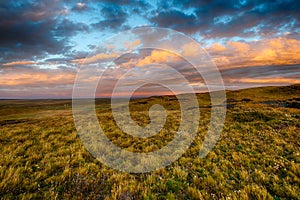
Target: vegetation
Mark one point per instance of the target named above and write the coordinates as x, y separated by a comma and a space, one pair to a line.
257, 156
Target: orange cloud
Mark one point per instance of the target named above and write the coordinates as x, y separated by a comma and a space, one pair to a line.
216, 47
95, 58
239, 47
38, 78
266, 55
276, 43
221, 60
190, 49
19, 63
158, 57
276, 51
131, 45
273, 80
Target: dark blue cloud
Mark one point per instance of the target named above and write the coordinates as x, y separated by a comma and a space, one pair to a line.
267, 16
176, 20
35, 28
114, 17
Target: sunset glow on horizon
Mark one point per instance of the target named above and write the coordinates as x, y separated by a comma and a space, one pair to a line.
43, 43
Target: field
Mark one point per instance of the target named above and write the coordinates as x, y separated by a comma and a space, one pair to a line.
256, 157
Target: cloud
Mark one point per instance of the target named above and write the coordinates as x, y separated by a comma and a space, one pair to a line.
254, 76
68, 28
131, 45
267, 80
79, 7
246, 39
35, 29
275, 51
35, 77
114, 18
190, 49
219, 19
158, 56
34, 82
216, 47
19, 63
239, 47
95, 58
278, 51
148, 57
176, 20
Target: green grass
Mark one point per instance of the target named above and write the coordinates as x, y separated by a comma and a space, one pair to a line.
257, 156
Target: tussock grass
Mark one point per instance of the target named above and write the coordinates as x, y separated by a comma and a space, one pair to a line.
257, 156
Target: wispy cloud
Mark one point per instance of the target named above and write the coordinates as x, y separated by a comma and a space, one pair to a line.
95, 58
19, 63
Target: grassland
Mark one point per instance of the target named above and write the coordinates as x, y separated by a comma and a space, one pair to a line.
257, 156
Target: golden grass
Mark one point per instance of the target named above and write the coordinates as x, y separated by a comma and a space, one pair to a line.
257, 156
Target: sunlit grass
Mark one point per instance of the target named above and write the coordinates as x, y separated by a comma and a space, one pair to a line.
257, 156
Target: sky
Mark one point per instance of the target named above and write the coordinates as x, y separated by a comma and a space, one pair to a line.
43, 43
